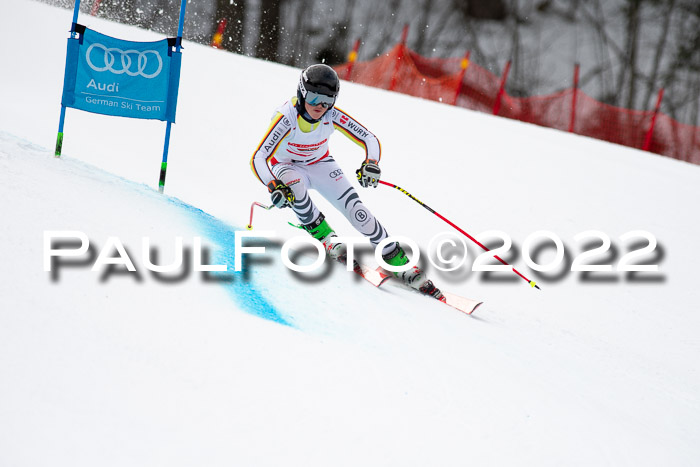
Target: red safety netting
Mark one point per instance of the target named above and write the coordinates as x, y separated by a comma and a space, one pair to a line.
475, 88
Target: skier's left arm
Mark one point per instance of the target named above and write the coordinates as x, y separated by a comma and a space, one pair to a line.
368, 174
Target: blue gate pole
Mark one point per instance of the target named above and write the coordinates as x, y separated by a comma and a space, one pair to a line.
61, 121
164, 164
166, 144
59, 137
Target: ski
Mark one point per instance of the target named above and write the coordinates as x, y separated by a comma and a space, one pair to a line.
373, 276
463, 304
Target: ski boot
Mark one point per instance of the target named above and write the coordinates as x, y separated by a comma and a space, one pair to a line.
414, 277
321, 231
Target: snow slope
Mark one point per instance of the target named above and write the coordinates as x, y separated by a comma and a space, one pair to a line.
266, 367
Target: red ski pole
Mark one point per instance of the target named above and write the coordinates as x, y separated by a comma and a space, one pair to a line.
532, 283
252, 206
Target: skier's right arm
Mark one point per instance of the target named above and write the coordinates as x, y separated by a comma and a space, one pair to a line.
260, 162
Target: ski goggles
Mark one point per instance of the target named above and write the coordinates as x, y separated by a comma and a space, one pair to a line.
314, 98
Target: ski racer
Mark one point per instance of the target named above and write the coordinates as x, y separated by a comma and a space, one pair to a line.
294, 156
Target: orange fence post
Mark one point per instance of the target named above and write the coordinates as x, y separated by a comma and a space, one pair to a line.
501, 90
399, 57
219, 34
647, 139
352, 58
464, 64
573, 99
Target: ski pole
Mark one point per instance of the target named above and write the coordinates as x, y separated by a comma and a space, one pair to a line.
267, 208
532, 283
252, 206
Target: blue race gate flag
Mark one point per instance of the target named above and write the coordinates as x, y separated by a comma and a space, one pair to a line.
111, 76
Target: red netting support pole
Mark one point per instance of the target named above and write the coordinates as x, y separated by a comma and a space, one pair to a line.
218, 37
572, 122
352, 58
399, 57
464, 64
647, 139
501, 90
95, 7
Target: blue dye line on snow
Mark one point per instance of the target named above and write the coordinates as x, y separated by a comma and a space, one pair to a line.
244, 293
222, 238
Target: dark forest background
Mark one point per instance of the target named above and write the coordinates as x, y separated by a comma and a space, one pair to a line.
628, 49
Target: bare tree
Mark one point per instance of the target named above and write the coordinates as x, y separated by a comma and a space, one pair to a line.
385, 17
668, 7
634, 47
335, 41
156, 10
516, 82
269, 33
422, 24
483, 9
298, 55
627, 80
683, 74
605, 46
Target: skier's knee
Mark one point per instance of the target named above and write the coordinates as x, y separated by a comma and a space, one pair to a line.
359, 215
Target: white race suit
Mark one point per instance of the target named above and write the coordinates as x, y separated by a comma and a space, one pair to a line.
296, 152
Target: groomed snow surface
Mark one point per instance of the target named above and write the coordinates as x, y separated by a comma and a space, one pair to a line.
266, 367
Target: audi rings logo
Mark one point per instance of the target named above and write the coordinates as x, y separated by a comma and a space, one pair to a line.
336, 173
131, 62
